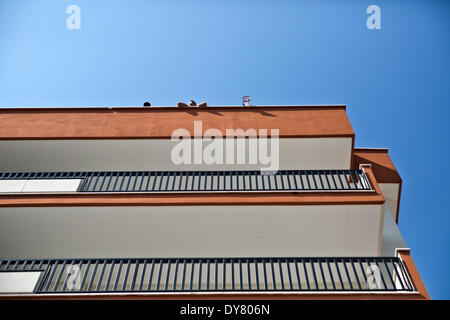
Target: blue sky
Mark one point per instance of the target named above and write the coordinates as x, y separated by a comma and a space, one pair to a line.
394, 81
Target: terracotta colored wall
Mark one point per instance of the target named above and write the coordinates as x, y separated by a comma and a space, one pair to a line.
295, 121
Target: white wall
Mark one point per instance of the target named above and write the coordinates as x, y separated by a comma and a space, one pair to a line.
191, 231
392, 238
391, 192
129, 155
19, 282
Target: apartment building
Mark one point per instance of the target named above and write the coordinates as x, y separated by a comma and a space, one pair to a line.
203, 202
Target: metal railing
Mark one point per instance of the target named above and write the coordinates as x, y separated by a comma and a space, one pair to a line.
346, 274
208, 181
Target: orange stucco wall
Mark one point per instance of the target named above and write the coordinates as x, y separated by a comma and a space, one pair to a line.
158, 123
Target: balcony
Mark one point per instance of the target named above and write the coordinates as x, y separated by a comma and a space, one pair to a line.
195, 181
209, 275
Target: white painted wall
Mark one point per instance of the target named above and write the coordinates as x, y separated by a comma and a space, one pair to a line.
392, 237
191, 231
145, 154
391, 192
18, 282
39, 186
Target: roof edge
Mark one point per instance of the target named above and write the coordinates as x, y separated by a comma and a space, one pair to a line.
171, 108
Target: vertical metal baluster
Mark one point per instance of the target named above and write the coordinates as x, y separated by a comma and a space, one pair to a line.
331, 274
149, 286
205, 175
115, 176
193, 180
332, 173
273, 275
356, 275
405, 275
240, 276
281, 274
256, 273
266, 285
381, 274
93, 276
325, 173
158, 281
181, 174
99, 282
298, 274
288, 177
322, 274
88, 183
363, 270
279, 174
346, 272
130, 177
169, 174
249, 276
143, 175
232, 274
300, 176
389, 274
136, 178
275, 180
338, 172
398, 274
7, 265
320, 179
136, 271
149, 177
184, 274
86, 272
200, 274
141, 282
307, 179
215, 276
122, 181
289, 274
354, 178
103, 182
111, 271
208, 273
167, 275
218, 181
175, 275
55, 286
161, 178
118, 275
313, 177
306, 274
314, 274
97, 178
155, 177
192, 275
224, 286
125, 278
186, 176
346, 180
339, 274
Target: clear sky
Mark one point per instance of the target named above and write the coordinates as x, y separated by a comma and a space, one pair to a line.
394, 81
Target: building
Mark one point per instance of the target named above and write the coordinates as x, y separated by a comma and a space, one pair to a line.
98, 202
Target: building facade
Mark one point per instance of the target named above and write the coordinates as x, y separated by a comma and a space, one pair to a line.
212, 202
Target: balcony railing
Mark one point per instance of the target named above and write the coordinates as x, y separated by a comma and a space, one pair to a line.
209, 181
159, 275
